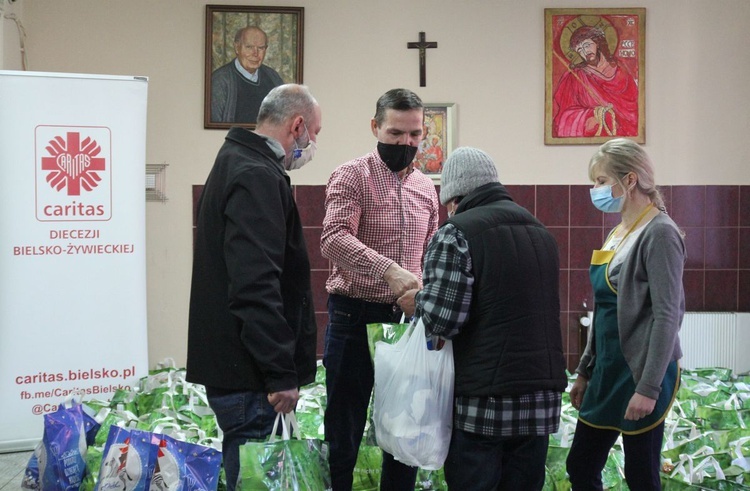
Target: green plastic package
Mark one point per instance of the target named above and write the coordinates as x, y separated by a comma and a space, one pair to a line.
557, 477
431, 480
291, 463
720, 418
367, 470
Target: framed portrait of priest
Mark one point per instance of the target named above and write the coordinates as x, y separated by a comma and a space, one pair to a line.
594, 75
249, 51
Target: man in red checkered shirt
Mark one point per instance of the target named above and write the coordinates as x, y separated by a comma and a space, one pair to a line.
380, 215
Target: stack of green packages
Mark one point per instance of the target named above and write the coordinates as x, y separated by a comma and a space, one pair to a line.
706, 437
707, 433
163, 402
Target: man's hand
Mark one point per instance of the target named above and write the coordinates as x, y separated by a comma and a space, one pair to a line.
400, 280
284, 401
577, 391
639, 407
406, 302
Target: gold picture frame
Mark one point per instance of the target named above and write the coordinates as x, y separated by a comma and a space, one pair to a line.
594, 75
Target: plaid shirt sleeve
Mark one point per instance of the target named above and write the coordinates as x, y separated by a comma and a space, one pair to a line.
443, 303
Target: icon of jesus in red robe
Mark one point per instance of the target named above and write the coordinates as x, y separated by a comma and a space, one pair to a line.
596, 97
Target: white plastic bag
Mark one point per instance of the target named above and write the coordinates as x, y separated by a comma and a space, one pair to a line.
413, 402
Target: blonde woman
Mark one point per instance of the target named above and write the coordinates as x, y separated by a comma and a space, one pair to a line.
629, 373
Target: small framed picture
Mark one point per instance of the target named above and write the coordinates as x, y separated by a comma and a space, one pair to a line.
595, 75
439, 141
249, 51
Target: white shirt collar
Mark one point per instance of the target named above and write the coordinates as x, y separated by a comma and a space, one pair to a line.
253, 77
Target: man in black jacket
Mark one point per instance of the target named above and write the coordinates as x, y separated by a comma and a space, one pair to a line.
491, 285
252, 333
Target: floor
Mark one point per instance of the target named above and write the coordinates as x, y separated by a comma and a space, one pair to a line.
12, 466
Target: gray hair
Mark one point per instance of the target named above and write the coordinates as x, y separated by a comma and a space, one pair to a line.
285, 102
398, 99
619, 157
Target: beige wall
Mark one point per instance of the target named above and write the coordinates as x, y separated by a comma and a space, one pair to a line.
490, 62
10, 52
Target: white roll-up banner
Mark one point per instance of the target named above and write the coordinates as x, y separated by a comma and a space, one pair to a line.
72, 243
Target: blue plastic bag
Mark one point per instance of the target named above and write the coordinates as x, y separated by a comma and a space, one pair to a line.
128, 460
31, 474
136, 460
182, 465
61, 456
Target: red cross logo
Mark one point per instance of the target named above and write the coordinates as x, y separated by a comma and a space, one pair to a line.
73, 163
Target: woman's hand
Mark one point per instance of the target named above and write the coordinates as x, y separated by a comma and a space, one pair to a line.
579, 388
639, 407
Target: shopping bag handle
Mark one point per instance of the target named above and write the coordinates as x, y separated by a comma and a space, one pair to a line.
293, 425
74, 398
289, 427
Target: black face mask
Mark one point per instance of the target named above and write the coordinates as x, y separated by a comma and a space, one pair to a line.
397, 157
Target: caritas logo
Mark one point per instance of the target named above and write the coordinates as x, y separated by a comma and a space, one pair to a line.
73, 174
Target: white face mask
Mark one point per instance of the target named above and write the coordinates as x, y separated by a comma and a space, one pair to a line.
302, 154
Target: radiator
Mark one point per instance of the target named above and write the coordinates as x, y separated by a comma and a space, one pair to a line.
716, 339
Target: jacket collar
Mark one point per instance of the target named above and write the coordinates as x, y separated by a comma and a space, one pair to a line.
483, 195
264, 145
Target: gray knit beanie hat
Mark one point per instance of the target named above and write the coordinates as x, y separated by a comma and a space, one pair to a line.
466, 169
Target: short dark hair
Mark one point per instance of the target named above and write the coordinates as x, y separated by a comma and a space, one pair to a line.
398, 99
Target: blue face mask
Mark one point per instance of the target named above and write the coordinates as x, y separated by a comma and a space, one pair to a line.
602, 198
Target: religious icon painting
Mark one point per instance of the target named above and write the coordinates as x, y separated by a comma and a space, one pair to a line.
594, 75
439, 141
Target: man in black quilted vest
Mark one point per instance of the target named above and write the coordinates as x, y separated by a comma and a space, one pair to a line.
491, 286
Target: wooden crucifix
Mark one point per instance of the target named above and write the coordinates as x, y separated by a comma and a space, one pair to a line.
422, 46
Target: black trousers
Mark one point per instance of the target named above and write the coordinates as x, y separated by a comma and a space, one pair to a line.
590, 450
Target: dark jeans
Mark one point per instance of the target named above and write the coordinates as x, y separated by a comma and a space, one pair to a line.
484, 463
242, 416
590, 450
349, 381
